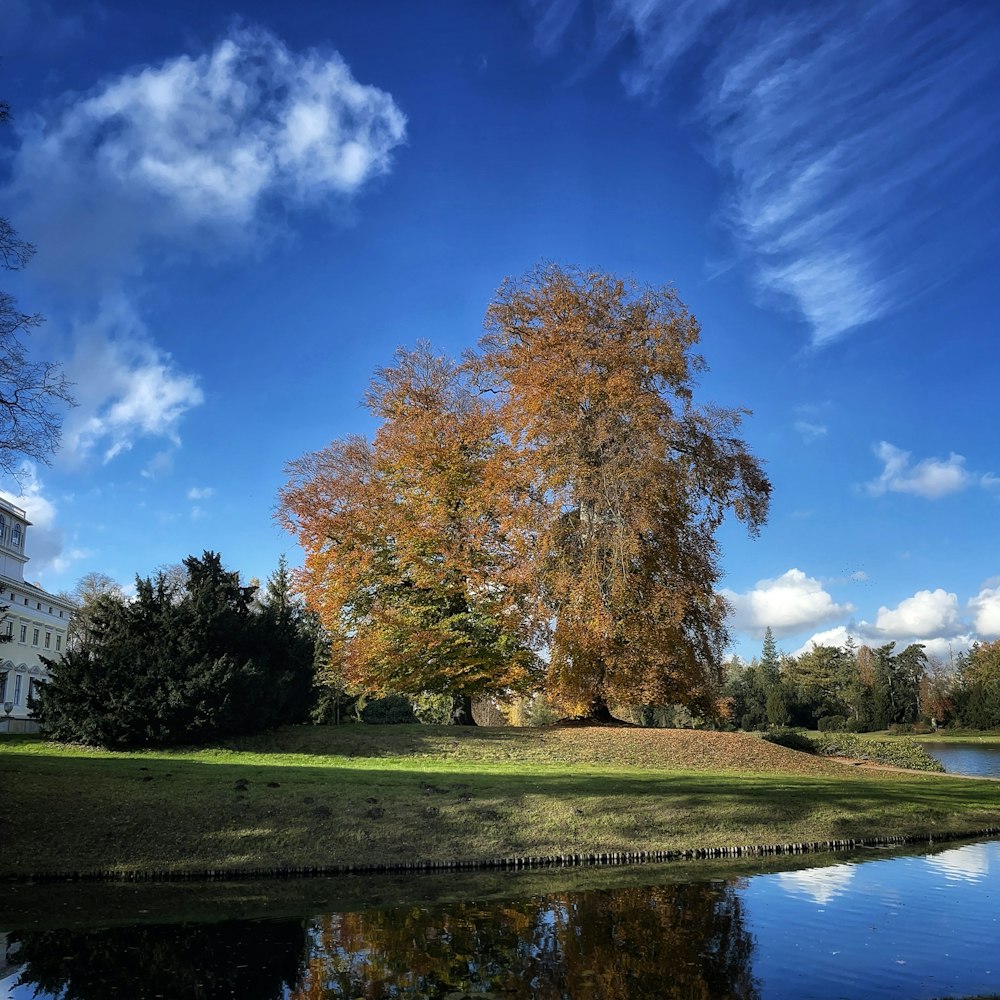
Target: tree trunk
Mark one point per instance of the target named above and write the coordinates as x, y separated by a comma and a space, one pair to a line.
461, 711
599, 711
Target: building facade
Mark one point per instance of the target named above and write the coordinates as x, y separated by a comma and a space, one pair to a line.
33, 624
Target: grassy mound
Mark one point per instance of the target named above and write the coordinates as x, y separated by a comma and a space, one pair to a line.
318, 796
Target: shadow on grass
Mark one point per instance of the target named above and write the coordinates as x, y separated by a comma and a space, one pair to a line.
171, 812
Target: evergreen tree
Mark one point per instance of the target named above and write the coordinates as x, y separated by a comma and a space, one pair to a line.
293, 642
179, 666
977, 694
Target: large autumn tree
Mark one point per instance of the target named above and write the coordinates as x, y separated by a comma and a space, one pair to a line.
405, 563
618, 483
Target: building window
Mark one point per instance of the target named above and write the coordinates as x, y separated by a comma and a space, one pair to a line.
16, 535
17, 689
48, 640
3, 527
38, 605
34, 637
58, 643
50, 609
8, 629
3, 687
24, 633
32, 689
26, 602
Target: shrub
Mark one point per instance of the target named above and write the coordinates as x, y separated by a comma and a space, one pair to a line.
908, 755
432, 709
832, 724
914, 728
392, 710
792, 739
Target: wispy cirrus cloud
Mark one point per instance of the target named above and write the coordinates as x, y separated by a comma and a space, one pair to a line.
810, 431
197, 146
856, 139
846, 133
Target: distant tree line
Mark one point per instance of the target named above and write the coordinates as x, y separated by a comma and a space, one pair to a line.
862, 688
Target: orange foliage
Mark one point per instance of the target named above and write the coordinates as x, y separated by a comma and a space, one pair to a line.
619, 482
402, 548
569, 504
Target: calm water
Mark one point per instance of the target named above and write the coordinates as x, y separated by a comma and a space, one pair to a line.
967, 758
918, 926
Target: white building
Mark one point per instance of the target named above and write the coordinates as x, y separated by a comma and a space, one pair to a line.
34, 621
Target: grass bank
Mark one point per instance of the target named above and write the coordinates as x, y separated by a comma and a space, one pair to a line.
324, 796
943, 736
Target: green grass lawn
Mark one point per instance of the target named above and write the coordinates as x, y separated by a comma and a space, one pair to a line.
322, 796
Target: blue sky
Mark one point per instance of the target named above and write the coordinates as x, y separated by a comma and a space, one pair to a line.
240, 211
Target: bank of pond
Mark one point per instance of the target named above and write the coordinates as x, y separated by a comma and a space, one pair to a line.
977, 759
868, 924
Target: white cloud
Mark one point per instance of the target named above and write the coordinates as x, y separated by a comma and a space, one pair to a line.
943, 648
126, 387
928, 613
161, 464
985, 607
198, 145
837, 636
810, 432
663, 33
200, 492
61, 563
793, 602
45, 543
931, 478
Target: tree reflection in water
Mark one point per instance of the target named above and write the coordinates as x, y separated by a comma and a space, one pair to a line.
674, 941
251, 960
669, 941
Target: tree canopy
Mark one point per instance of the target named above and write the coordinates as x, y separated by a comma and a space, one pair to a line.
555, 494
179, 665
401, 546
624, 482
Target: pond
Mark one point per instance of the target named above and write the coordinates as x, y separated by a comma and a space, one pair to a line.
921, 925
981, 759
